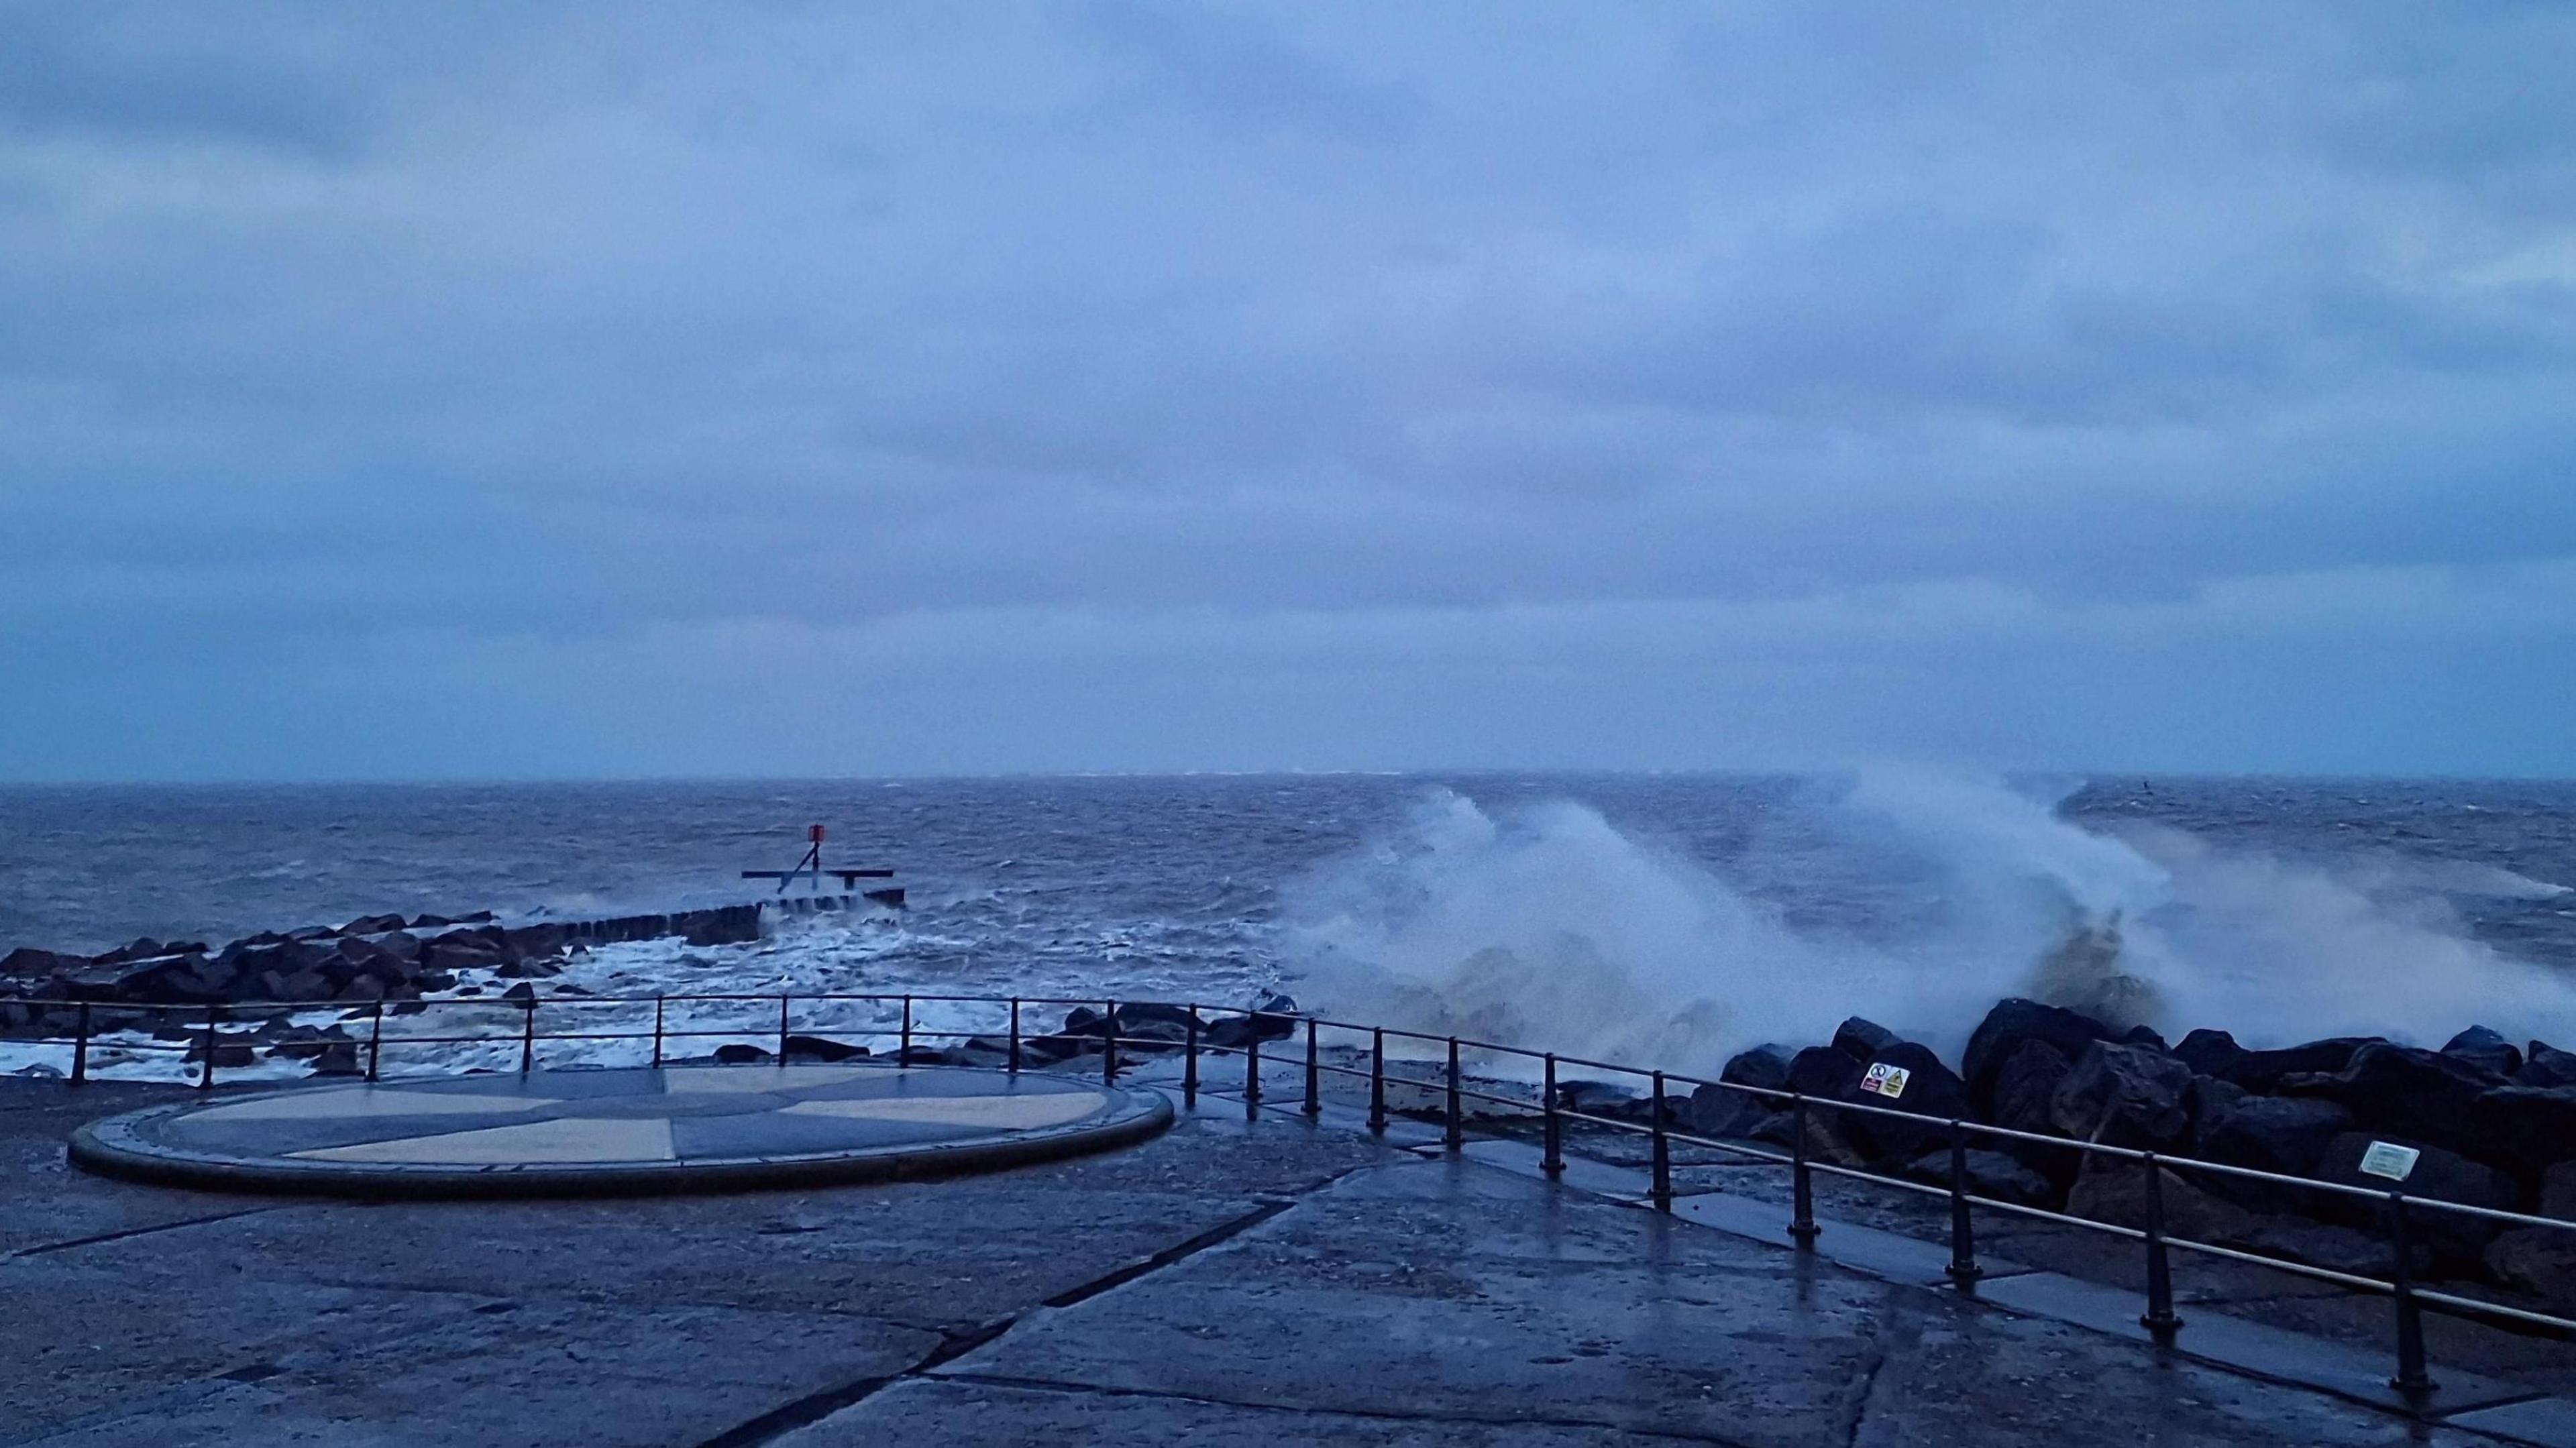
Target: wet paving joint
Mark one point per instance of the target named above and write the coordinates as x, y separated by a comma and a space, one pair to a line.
1873, 1362
1386, 1415
771, 1426
102, 1238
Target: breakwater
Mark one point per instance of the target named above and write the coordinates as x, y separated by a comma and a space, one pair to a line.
2481, 1122
369, 960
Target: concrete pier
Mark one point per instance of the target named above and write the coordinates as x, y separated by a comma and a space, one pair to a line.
1229, 1280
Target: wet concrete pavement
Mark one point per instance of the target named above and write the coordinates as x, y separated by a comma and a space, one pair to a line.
1224, 1281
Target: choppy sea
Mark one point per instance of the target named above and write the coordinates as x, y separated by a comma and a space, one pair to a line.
1676, 917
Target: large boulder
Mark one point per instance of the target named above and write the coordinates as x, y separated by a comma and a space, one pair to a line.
1716, 1111
1273, 1017
1862, 1040
1713, 1110
456, 952
2209, 1053
230, 1051
1267, 1022
2402, 1091
2537, 1260
1989, 1174
2440, 1174
361, 956
2261, 1072
2485, 1050
185, 980
1822, 1071
2115, 1191
2558, 1192
2013, 1021
535, 941
821, 1048
1616, 1099
2124, 1096
2527, 1128
1825, 1139
2027, 1083
338, 1058
1765, 1067
1932, 1090
2324, 1244
2024, 1089
1134, 1015
283, 956
372, 925
304, 1043
2285, 1134
28, 962
2547, 1066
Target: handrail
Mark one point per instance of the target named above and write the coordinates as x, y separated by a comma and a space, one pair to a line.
205, 1021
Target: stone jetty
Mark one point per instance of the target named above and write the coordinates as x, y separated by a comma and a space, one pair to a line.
375, 958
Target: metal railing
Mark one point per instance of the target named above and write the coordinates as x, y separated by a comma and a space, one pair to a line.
2399, 1211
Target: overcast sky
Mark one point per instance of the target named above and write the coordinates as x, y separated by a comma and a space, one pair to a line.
522, 390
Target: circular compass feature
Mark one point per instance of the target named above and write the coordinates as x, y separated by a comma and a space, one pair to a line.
671, 1129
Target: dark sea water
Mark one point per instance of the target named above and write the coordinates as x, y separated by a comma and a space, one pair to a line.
1672, 914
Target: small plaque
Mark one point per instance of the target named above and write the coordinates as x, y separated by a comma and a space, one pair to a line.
1887, 1081
2388, 1159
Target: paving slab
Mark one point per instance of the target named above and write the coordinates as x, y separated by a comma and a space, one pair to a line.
1451, 1292
547, 1371
1235, 1277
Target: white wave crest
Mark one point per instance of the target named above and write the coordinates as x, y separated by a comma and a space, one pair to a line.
1547, 926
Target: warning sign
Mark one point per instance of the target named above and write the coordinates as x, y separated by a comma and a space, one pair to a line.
1887, 1081
2388, 1159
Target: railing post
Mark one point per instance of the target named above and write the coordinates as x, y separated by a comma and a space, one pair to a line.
782, 1028
80, 1048
1015, 1035
1551, 1158
2159, 1318
903, 1052
1109, 1046
658, 1003
1963, 1233
1454, 1134
206, 1068
2412, 1379
1251, 1072
1314, 1074
528, 1035
1802, 1181
1661, 1190
376, 1041
1190, 1057
1377, 1079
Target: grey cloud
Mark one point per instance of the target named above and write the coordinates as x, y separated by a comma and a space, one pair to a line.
327, 335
